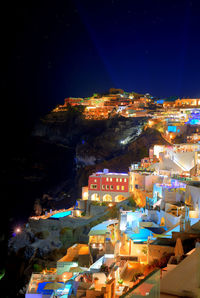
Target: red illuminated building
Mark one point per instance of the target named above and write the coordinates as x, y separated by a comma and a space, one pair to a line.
108, 187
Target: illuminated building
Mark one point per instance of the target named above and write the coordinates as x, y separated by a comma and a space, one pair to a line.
104, 235
194, 118
73, 101
194, 138
108, 187
187, 102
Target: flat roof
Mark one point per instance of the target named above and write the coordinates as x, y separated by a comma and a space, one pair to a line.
74, 251
108, 174
101, 228
184, 278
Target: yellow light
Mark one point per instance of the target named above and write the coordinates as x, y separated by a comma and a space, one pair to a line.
64, 278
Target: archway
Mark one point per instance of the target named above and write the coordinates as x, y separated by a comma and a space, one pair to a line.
119, 198
107, 198
95, 197
162, 222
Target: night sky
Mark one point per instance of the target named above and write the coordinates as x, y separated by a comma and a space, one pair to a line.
57, 49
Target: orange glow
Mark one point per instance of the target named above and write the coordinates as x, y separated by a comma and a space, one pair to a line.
84, 250
18, 230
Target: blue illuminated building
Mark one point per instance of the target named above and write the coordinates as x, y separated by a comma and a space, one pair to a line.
194, 118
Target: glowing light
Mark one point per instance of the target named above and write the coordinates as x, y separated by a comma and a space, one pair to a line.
64, 278
18, 230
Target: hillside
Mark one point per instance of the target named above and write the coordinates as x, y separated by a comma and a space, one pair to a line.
138, 149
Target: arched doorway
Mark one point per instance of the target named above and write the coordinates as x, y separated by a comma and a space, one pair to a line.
119, 198
162, 222
95, 197
107, 198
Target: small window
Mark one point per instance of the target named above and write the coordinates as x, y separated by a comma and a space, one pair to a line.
95, 180
107, 186
110, 179
125, 180
120, 180
111, 187
107, 179
103, 186
117, 187
93, 186
117, 179
122, 187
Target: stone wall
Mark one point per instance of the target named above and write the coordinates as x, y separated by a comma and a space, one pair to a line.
170, 220
94, 210
154, 216
157, 251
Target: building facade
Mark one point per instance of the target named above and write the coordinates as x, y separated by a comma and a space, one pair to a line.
108, 187
194, 102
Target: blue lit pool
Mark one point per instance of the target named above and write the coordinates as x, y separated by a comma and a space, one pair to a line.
61, 214
142, 236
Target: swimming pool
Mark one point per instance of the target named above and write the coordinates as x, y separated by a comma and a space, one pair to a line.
142, 236
61, 214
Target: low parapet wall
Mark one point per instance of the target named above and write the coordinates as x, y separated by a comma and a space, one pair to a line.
157, 251
51, 224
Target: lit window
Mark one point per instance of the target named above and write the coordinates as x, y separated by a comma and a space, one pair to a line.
107, 186
117, 179
125, 180
95, 180
111, 187
120, 180
110, 179
93, 186
103, 186
117, 187
107, 179
122, 187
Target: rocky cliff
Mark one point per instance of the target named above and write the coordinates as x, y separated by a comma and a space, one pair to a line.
135, 151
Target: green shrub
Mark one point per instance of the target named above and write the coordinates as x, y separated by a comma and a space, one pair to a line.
66, 236
37, 268
132, 202
104, 204
113, 213
94, 203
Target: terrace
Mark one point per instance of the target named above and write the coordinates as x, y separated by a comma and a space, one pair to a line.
37, 279
57, 214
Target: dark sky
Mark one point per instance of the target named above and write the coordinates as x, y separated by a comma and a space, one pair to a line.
75, 48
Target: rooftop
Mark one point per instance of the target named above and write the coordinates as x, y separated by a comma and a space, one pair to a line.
184, 278
74, 251
101, 228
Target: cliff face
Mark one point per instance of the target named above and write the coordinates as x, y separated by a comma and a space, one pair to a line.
67, 128
63, 145
135, 151
111, 142
93, 141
